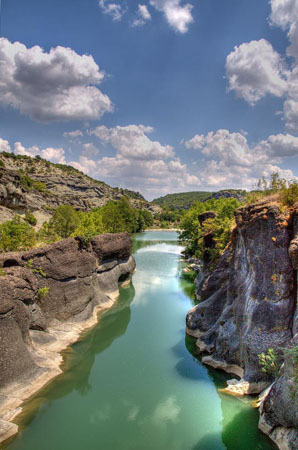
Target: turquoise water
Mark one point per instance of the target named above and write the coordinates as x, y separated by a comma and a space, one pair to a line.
132, 382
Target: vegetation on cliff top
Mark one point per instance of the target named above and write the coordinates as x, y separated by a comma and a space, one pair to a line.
116, 216
184, 200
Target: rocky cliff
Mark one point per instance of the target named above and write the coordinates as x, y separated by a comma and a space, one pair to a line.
38, 186
248, 305
48, 296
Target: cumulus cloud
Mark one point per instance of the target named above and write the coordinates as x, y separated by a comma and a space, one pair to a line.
284, 14
229, 160
255, 69
54, 85
177, 15
138, 163
143, 16
4, 146
132, 142
115, 10
56, 155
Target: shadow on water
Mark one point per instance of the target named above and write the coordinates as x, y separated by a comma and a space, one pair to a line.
80, 357
235, 435
239, 418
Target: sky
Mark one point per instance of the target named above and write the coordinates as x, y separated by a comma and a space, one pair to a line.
158, 96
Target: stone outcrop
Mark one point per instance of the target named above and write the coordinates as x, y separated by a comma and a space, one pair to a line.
247, 305
56, 185
48, 296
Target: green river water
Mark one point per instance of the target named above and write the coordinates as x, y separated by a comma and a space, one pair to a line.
132, 382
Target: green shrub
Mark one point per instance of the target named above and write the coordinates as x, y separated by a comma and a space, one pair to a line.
2, 163
270, 362
42, 292
16, 235
30, 218
28, 183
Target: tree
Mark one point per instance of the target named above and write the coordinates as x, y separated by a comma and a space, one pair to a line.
65, 220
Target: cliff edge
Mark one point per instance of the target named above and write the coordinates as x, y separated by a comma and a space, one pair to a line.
248, 305
49, 296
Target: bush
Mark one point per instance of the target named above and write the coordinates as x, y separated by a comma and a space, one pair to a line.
42, 292
16, 235
30, 218
28, 183
270, 362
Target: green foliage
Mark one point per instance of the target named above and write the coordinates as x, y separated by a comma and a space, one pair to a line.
47, 233
30, 265
2, 273
64, 221
42, 292
30, 218
16, 235
220, 227
286, 189
28, 183
185, 200
114, 217
2, 163
270, 362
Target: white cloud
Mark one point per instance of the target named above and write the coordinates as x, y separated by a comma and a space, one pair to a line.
58, 85
115, 10
139, 163
255, 69
178, 16
85, 165
229, 160
90, 149
56, 155
132, 142
4, 146
196, 142
291, 102
143, 16
284, 14
73, 134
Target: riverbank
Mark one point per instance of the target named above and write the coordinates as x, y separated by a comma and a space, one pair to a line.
100, 401
78, 283
247, 305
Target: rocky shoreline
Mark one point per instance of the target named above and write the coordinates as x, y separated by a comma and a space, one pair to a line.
248, 304
49, 296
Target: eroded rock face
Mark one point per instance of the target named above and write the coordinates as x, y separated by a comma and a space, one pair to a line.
247, 305
62, 281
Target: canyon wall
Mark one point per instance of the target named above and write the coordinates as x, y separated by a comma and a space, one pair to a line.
247, 305
49, 295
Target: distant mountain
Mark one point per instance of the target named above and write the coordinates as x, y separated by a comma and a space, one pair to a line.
184, 200
39, 186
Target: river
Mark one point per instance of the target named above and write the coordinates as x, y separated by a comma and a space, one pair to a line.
132, 382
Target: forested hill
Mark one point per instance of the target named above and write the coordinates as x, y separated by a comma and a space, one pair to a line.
184, 200
39, 186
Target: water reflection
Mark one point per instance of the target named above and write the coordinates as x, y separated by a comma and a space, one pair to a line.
80, 357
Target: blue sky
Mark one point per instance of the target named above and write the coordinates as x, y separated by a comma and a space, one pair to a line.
158, 96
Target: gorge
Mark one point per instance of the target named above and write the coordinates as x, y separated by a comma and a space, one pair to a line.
133, 381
